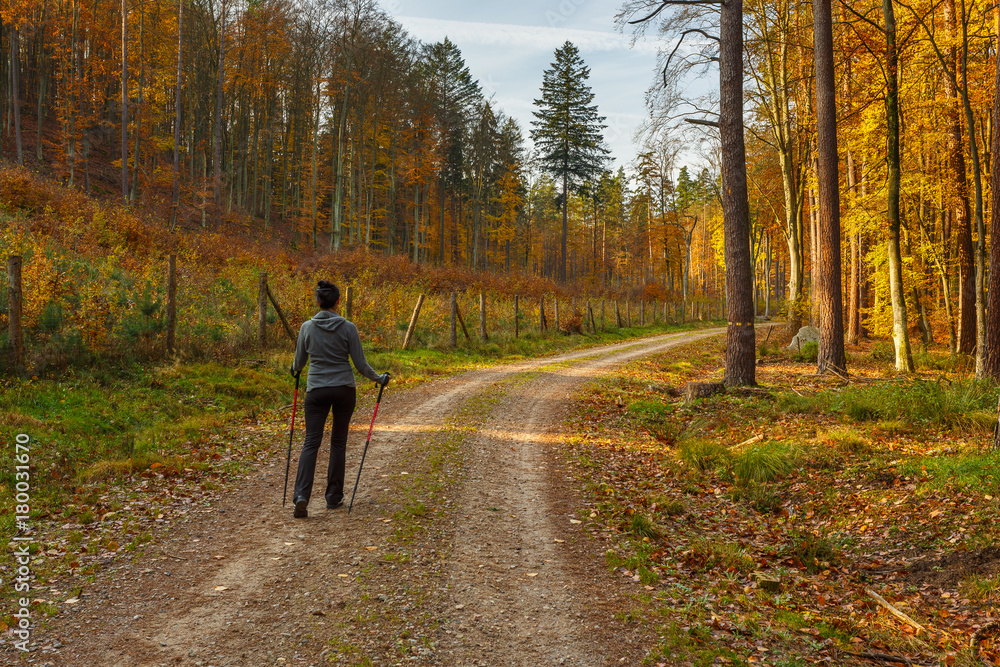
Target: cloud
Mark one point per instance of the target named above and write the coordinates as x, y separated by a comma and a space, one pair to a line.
536, 38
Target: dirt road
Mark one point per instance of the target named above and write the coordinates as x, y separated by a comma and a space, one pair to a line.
464, 548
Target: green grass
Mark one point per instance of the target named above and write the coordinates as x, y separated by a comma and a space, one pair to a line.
846, 441
703, 454
642, 526
980, 587
762, 464
967, 406
98, 425
971, 469
653, 416
710, 553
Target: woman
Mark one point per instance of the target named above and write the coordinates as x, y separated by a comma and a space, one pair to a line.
327, 340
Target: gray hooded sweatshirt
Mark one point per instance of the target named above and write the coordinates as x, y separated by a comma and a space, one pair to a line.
327, 340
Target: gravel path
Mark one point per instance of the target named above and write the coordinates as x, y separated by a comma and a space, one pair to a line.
464, 548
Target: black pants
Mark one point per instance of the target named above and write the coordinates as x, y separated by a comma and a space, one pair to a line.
320, 402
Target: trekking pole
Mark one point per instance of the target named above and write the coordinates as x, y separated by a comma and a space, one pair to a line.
365, 453
291, 430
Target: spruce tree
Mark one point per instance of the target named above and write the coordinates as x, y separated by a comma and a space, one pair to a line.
568, 130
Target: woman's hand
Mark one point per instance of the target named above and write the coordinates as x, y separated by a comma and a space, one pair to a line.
383, 379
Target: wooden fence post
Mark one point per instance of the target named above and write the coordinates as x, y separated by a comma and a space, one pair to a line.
642, 313
603, 326
262, 310
171, 303
517, 317
541, 314
454, 318
461, 321
281, 316
413, 321
14, 309
348, 302
557, 313
482, 316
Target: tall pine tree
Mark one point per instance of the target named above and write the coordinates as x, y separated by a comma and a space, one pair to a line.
568, 131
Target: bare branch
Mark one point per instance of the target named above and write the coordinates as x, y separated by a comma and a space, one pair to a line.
699, 121
701, 32
667, 3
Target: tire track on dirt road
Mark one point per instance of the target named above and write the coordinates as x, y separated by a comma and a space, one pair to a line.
489, 585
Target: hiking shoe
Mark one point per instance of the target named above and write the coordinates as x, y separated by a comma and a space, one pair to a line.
300, 509
335, 506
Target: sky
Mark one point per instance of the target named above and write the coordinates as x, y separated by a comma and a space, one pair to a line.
508, 44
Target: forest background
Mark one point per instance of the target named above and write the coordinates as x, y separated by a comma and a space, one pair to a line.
322, 126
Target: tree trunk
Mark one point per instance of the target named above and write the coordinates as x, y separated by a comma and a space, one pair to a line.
831, 303
740, 339
992, 358
217, 129
565, 227
337, 204
315, 170
960, 198
900, 335
175, 199
124, 102
15, 88
42, 86
138, 108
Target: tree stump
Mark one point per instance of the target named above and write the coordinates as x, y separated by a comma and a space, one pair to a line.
703, 390
766, 581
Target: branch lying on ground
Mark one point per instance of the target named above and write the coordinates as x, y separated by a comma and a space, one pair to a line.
895, 612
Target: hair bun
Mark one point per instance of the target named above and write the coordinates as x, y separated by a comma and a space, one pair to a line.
324, 285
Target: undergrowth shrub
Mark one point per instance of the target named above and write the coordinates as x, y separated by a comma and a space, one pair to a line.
94, 276
809, 352
935, 361
884, 352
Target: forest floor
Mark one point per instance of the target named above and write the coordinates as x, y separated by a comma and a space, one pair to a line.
564, 510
